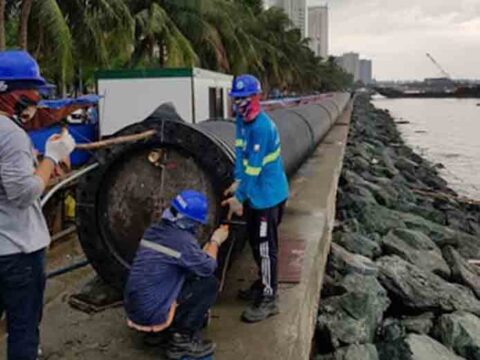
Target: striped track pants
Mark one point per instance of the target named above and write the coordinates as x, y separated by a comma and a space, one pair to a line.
262, 229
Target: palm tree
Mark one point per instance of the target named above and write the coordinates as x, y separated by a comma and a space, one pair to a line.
67, 36
102, 34
158, 41
26, 7
2, 25
190, 32
72, 38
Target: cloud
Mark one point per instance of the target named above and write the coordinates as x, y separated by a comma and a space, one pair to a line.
397, 34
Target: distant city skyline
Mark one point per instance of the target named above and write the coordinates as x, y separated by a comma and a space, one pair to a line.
396, 35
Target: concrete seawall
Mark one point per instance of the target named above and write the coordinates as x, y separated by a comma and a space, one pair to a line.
309, 218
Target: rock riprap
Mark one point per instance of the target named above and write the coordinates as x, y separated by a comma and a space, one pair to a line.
398, 277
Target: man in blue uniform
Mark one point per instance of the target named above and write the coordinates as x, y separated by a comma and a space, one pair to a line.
171, 285
261, 189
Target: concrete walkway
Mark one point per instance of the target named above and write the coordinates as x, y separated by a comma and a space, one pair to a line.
70, 334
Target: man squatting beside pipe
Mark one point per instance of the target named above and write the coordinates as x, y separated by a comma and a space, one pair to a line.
171, 284
261, 189
24, 235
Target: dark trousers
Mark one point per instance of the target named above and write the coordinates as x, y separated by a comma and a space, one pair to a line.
262, 229
197, 296
22, 284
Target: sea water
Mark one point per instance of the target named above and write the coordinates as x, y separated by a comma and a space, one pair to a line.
445, 131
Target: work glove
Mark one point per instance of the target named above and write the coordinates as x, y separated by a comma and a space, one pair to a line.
59, 146
220, 235
231, 190
235, 207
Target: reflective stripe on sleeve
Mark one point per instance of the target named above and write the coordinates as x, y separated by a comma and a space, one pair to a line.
271, 157
160, 248
255, 171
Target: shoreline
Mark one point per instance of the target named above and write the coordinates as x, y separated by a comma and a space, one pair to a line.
398, 283
423, 127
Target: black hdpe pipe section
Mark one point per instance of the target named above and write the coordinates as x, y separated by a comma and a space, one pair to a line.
117, 201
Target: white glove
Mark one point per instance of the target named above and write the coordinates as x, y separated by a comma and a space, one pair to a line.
235, 207
231, 190
59, 146
220, 235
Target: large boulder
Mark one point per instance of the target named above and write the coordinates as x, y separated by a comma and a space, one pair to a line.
352, 352
406, 165
379, 219
359, 244
462, 271
421, 324
460, 331
415, 347
467, 245
387, 156
342, 262
393, 329
421, 291
351, 318
417, 249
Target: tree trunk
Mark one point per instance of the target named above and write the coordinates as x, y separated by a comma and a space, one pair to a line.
23, 25
2, 25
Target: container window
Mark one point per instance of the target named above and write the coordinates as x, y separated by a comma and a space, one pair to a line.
216, 103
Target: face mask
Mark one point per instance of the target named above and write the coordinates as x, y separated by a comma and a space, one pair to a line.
188, 225
15, 102
180, 221
248, 108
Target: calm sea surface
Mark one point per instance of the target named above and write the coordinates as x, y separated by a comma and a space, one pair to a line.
444, 131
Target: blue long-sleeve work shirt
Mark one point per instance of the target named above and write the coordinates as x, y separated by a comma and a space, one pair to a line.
258, 164
156, 278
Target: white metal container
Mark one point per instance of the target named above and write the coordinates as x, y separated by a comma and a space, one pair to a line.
130, 96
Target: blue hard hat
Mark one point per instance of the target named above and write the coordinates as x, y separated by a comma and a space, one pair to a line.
20, 69
191, 204
245, 85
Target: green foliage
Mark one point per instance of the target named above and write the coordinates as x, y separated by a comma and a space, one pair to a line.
72, 38
11, 28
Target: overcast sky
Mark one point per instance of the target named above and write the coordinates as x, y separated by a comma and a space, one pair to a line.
396, 34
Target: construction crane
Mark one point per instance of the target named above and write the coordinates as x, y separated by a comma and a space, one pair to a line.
442, 70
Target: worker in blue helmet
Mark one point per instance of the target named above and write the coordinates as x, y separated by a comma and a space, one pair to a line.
24, 235
259, 192
171, 285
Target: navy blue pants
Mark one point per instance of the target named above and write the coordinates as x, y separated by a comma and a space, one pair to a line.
22, 284
197, 296
262, 229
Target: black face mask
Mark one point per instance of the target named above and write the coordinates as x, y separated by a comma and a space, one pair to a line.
23, 103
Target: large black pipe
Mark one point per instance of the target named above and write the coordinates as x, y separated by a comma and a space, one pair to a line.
133, 183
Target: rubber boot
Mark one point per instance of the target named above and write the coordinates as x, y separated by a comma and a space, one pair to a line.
189, 346
261, 310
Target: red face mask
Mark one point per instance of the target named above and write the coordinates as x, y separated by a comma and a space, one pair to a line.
12, 102
248, 108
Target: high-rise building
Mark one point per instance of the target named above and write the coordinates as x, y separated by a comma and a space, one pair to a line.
296, 11
366, 71
361, 69
350, 62
318, 30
